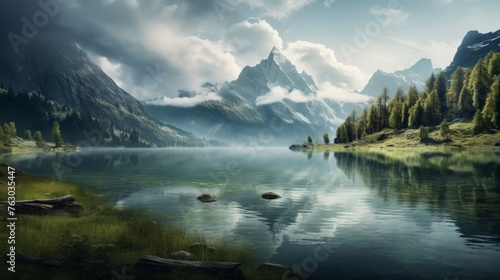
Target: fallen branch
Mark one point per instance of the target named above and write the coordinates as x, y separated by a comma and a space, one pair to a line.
224, 270
44, 206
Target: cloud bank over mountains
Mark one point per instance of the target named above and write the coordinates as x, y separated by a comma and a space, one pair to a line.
157, 48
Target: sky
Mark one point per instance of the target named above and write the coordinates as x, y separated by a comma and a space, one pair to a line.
160, 47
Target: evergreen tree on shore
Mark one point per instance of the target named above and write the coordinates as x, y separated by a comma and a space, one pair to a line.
473, 92
453, 95
38, 138
491, 111
56, 135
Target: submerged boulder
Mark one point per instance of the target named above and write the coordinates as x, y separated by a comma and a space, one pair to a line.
270, 195
207, 198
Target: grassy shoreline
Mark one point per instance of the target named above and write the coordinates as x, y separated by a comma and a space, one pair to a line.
19, 146
102, 239
408, 141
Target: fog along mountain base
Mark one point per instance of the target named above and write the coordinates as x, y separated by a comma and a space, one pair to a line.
268, 104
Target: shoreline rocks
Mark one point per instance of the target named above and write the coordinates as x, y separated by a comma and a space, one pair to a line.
303, 146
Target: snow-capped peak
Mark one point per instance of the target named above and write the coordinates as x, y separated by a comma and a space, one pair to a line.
283, 62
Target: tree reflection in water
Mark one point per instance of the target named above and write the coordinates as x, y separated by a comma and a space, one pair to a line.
465, 185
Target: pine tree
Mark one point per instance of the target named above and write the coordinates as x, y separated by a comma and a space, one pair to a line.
494, 65
373, 121
398, 97
479, 84
27, 135
441, 87
430, 83
444, 129
56, 135
424, 95
396, 118
7, 133
416, 113
326, 138
453, 95
362, 124
465, 107
410, 99
491, 110
309, 139
478, 125
38, 138
384, 114
432, 109
13, 130
342, 134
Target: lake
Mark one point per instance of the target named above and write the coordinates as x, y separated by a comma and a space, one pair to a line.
342, 215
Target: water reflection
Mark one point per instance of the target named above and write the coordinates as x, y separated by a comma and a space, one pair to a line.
465, 185
426, 216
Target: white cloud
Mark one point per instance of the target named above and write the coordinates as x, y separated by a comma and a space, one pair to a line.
320, 62
278, 93
389, 16
329, 91
326, 91
186, 101
113, 70
193, 59
440, 52
251, 41
279, 9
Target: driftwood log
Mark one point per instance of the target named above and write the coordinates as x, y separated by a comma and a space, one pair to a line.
222, 270
44, 206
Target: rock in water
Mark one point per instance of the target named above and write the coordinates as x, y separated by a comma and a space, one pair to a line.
183, 255
207, 198
270, 195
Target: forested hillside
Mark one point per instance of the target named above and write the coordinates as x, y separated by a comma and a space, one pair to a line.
33, 112
472, 93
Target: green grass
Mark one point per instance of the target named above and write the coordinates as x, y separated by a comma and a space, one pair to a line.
123, 236
409, 141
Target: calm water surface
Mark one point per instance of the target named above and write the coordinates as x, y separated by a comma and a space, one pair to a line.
342, 215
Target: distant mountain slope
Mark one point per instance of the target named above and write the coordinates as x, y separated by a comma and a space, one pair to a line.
415, 75
474, 46
271, 100
62, 72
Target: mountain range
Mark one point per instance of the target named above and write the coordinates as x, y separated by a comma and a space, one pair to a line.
415, 75
474, 46
270, 103
62, 72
